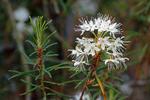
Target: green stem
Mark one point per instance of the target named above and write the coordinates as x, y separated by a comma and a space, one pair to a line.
94, 34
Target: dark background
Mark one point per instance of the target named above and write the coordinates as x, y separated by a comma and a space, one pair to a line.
134, 15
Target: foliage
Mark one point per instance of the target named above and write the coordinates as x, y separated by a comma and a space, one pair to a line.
39, 71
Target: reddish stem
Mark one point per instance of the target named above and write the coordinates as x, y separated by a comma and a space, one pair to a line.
41, 70
92, 73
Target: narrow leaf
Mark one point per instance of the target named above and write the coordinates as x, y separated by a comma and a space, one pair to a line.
32, 44
31, 90
48, 73
26, 82
48, 37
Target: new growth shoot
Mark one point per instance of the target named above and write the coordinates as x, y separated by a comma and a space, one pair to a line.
40, 40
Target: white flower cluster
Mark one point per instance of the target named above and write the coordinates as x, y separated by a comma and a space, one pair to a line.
101, 24
104, 41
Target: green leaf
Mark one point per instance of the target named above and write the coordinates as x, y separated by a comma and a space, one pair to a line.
13, 71
48, 37
77, 73
90, 96
37, 77
33, 53
52, 94
31, 90
48, 73
101, 67
50, 55
49, 46
32, 24
32, 44
115, 97
45, 44
26, 82
82, 81
22, 73
63, 83
28, 59
58, 93
63, 67
32, 27
118, 79
58, 65
111, 87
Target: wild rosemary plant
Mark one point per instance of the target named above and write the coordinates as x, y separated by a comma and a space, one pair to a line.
40, 44
104, 46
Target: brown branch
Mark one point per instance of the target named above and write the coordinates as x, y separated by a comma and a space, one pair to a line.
92, 72
41, 70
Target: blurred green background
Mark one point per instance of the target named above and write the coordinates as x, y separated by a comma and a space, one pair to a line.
134, 15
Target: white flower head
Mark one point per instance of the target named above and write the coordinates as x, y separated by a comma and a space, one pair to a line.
102, 24
103, 28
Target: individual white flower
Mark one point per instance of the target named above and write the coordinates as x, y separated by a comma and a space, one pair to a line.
121, 59
98, 22
115, 53
87, 26
91, 48
83, 27
77, 63
107, 24
104, 25
92, 25
116, 45
81, 57
84, 41
21, 14
80, 62
77, 52
103, 42
119, 42
115, 61
114, 28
